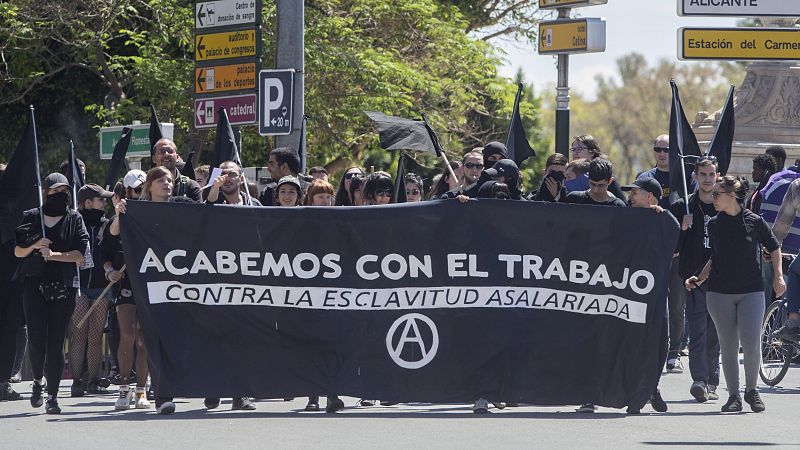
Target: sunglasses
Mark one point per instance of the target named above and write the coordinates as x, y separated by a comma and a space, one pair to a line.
413, 192
138, 190
349, 176
473, 166
386, 193
661, 150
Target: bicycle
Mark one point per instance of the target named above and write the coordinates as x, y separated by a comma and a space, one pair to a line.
776, 355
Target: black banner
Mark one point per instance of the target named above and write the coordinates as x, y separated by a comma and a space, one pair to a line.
442, 302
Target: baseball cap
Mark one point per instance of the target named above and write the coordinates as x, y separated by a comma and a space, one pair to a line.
650, 185
134, 179
55, 180
291, 180
91, 191
503, 168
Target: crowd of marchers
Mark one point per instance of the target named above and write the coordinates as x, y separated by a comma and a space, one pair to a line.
727, 266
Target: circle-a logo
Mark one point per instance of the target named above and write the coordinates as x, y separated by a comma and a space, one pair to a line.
408, 333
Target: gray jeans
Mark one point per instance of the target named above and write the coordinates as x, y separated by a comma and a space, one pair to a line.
738, 319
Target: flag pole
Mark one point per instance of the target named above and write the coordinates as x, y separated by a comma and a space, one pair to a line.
438, 147
74, 184
38, 173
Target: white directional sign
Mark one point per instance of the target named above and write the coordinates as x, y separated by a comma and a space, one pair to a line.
746, 8
223, 13
554, 4
275, 102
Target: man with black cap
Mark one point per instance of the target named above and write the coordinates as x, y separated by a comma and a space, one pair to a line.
88, 340
493, 152
506, 171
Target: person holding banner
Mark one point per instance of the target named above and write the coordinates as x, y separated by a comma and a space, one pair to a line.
735, 297
601, 177
230, 183
50, 241
289, 191
87, 340
319, 193
165, 154
378, 189
343, 197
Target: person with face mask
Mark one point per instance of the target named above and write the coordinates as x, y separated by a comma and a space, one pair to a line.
87, 340
50, 280
493, 152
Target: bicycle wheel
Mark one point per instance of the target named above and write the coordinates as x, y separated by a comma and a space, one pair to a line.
776, 356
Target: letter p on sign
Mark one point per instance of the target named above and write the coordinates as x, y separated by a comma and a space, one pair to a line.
276, 101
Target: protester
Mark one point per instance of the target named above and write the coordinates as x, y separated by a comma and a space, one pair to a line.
319, 193
445, 187
661, 171
63, 168
646, 193
11, 319
735, 297
356, 190
289, 191
165, 154
283, 161
785, 230
552, 188
577, 175
343, 197
493, 152
319, 173
113, 336
694, 249
378, 189
88, 339
506, 171
600, 178
231, 184
201, 175
49, 272
586, 147
763, 168
778, 153
472, 164
129, 327
414, 187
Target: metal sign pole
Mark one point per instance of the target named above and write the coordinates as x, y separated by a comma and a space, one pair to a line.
562, 98
290, 55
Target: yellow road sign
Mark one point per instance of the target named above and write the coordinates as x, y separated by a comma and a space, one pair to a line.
551, 4
232, 77
226, 45
739, 43
572, 36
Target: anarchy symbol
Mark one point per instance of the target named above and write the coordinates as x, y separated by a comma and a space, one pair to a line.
411, 335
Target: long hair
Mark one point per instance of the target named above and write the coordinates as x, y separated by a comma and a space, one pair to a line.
342, 196
591, 144
154, 174
441, 187
357, 183
377, 181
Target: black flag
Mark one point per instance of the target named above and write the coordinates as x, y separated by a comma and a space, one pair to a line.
400, 181
118, 158
302, 148
188, 166
74, 173
517, 142
19, 185
682, 144
397, 133
155, 129
722, 142
225, 148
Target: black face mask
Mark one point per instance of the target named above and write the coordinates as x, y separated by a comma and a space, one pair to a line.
92, 216
56, 204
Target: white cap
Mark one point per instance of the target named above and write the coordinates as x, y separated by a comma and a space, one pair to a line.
134, 179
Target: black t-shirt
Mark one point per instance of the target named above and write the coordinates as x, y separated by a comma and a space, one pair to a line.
69, 234
694, 245
583, 198
735, 248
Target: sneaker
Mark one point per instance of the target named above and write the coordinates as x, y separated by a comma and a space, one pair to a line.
150, 394
586, 408
36, 395
685, 351
734, 404
364, 402
123, 402
754, 400
7, 393
52, 406
657, 402
114, 376
242, 404
166, 408
16, 378
674, 365
699, 391
141, 400
211, 402
102, 382
499, 405
712, 392
481, 406
95, 388
312, 405
334, 404
787, 333
77, 389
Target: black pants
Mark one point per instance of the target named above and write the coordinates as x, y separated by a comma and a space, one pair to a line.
47, 329
676, 306
10, 322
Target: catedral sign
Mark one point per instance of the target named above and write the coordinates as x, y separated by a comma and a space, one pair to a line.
743, 44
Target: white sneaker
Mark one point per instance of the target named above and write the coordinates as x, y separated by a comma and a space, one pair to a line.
674, 365
481, 406
123, 401
141, 399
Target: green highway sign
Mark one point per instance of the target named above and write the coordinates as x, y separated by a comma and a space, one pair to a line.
140, 140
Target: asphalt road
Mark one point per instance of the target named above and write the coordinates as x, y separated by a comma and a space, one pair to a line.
90, 422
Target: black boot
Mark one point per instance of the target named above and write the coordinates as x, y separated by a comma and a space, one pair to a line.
36, 395
7, 393
734, 404
334, 404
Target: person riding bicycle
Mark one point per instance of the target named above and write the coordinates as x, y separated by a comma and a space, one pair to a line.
786, 234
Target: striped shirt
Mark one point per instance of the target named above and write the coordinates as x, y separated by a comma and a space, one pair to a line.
784, 220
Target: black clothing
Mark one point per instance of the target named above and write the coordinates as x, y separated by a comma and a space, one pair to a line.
184, 186
616, 189
543, 194
221, 200
112, 252
693, 245
47, 329
69, 234
95, 225
735, 249
582, 198
10, 310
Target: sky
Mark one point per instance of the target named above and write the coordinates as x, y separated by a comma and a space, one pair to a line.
649, 27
